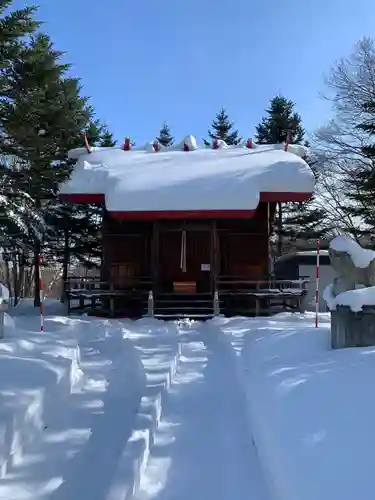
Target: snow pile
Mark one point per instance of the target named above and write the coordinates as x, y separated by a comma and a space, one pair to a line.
355, 299
190, 142
38, 371
361, 257
311, 408
227, 178
111, 411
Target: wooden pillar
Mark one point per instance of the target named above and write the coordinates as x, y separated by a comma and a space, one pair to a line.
269, 247
280, 229
155, 256
214, 254
104, 271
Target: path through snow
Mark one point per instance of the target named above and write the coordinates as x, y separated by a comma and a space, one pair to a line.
77, 454
203, 448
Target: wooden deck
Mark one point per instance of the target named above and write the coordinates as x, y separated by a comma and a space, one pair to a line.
234, 295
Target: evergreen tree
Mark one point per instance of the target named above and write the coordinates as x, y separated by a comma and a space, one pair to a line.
106, 139
41, 114
222, 128
15, 212
165, 138
13, 27
281, 119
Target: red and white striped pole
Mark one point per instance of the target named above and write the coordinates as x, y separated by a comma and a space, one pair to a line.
40, 296
317, 283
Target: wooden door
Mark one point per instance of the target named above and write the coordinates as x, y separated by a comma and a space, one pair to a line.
184, 261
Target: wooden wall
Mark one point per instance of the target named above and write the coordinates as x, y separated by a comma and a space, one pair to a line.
126, 250
242, 247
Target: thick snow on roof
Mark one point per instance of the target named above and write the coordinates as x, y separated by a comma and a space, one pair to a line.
226, 178
361, 257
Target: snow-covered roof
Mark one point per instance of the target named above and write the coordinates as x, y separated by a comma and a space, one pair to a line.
187, 177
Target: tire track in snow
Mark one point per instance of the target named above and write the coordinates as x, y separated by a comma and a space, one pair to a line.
203, 448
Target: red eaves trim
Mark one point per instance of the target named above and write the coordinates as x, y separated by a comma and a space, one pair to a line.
284, 197
83, 198
186, 214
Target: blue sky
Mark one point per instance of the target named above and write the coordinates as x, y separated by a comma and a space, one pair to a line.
146, 61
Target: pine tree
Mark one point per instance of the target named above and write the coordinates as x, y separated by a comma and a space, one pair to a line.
41, 114
165, 138
281, 119
222, 128
15, 211
13, 27
106, 139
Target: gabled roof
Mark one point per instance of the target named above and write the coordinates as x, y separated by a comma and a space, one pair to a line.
230, 179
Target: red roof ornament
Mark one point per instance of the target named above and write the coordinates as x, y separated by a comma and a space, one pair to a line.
215, 144
127, 145
288, 141
249, 143
156, 146
88, 147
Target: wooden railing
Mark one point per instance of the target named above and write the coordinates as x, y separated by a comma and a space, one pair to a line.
95, 293
263, 292
97, 285
262, 283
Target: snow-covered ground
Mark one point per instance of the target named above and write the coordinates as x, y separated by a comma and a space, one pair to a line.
252, 408
311, 408
79, 387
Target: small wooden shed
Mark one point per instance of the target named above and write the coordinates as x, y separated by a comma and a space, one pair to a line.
186, 223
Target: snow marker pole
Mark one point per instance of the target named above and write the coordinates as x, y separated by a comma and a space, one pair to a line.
317, 283
40, 296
